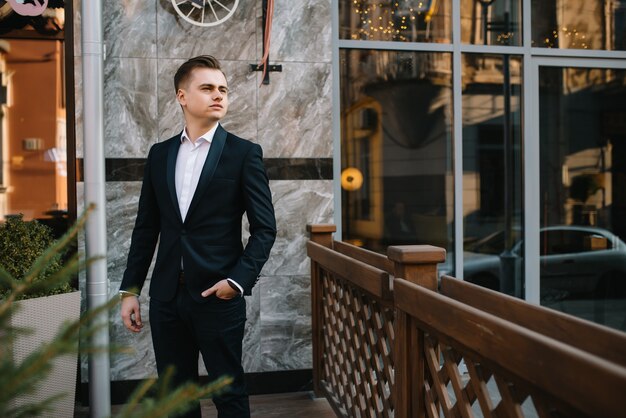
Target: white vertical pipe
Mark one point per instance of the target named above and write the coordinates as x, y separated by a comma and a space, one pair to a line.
94, 177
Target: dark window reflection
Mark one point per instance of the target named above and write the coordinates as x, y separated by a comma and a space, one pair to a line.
41, 18
397, 183
583, 201
396, 20
492, 172
491, 22
579, 24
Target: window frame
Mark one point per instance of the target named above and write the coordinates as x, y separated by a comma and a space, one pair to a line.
532, 58
67, 36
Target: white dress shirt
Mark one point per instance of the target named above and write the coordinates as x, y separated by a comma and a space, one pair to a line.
189, 163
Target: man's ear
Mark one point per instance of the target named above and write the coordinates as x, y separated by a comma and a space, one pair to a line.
180, 96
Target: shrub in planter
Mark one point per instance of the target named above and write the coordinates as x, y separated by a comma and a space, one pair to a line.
37, 284
21, 244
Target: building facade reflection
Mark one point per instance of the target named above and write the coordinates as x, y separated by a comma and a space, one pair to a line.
399, 105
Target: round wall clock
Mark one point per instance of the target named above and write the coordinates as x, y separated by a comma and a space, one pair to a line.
205, 12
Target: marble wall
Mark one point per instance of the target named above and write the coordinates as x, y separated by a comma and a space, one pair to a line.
290, 118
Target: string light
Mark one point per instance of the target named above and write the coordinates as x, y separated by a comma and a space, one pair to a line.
576, 39
392, 19
505, 38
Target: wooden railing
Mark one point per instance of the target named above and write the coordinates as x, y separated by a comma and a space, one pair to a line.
390, 341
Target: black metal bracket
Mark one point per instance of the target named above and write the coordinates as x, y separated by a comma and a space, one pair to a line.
270, 68
259, 67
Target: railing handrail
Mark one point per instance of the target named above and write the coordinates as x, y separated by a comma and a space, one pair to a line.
568, 329
369, 257
360, 274
567, 373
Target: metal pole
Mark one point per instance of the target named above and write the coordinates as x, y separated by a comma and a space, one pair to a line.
96, 245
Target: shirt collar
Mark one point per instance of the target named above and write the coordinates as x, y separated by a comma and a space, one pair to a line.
207, 136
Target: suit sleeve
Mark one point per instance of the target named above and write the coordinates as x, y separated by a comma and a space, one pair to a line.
260, 213
145, 234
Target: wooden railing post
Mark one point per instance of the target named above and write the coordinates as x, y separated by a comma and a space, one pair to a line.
417, 264
323, 235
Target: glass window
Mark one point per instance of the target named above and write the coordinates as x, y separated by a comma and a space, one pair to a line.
492, 172
583, 199
396, 159
579, 24
33, 133
397, 182
396, 20
491, 22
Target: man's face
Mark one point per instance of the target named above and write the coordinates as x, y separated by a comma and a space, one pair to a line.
204, 96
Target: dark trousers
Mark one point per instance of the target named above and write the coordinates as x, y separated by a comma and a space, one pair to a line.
182, 329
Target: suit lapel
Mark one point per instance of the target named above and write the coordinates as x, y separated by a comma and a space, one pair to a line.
215, 152
172, 153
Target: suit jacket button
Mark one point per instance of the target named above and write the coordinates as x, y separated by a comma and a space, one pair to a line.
183, 231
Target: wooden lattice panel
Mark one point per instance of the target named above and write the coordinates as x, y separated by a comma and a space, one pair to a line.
407, 351
357, 356
477, 391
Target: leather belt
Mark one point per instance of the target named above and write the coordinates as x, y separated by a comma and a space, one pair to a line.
181, 277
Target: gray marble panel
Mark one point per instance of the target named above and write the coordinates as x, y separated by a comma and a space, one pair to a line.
295, 112
122, 199
133, 356
136, 361
233, 39
121, 206
259, 31
285, 323
296, 204
80, 198
241, 116
170, 119
122, 203
78, 47
130, 28
130, 107
252, 339
301, 31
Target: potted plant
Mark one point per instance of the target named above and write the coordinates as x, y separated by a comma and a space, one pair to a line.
35, 285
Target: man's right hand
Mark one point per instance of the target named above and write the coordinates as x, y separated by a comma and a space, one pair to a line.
131, 315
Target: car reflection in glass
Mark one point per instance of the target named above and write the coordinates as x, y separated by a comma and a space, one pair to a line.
575, 262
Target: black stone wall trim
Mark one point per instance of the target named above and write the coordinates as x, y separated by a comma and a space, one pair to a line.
299, 168
258, 384
131, 169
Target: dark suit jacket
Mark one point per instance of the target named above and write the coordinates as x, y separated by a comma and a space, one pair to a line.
233, 181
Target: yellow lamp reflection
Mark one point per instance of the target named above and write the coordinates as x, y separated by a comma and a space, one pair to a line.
351, 179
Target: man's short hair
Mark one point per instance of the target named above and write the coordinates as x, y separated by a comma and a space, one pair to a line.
201, 61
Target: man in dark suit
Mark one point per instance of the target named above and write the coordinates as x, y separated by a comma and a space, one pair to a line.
196, 188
